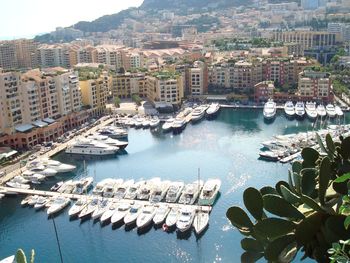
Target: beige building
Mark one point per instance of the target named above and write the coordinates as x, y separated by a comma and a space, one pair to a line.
165, 87
57, 55
198, 78
8, 56
10, 101
125, 85
94, 93
315, 86
26, 53
246, 74
306, 39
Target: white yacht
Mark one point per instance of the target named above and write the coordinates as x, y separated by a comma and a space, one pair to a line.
145, 217
311, 110
213, 109
40, 203
41, 169
172, 217
168, 125
132, 191
161, 213
33, 200
91, 148
109, 212
120, 213
330, 109
20, 179
179, 124
174, 192
145, 190
77, 207
89, 208
109, 141
138, 122
154, 122
57, 166
57, 205
339, 111
289, 109
110, 188
198, 113
25, 200
56, 186
122, 189
191, 192
269, 155
68, 187
132, 214
209, 192
82, 186
98, 190
146, 123
33, 177
102, 207
159, 191
17, 185
300, 109
321, 110
114, 132
185, 220
269, 109
201, 221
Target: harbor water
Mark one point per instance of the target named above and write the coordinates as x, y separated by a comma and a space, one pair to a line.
225, 148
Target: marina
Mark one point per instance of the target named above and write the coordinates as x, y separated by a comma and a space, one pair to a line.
231, 141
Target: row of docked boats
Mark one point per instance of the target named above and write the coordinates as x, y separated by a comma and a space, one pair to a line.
286, 148
300, 110
140, 122
80, 186
195, 115
156, 190
37, 171
54, 205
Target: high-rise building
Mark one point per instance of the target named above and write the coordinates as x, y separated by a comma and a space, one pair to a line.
127, 84
26, 53
198, 78
246, 74
8, 55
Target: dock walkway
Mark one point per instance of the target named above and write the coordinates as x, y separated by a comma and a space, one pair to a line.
76, 197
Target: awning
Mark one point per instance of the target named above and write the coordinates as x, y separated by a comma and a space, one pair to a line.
49, 120
24, 127
39, 123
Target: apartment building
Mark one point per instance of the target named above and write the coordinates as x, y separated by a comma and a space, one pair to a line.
247, 74
109, 55
263, 91
8, 55
57, 55
165, 87
10, 101
198, 78
307, 39
87, 54
315, 86
94, 93
125, 85
26, 53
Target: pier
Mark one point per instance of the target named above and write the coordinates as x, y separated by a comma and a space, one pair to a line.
5, 190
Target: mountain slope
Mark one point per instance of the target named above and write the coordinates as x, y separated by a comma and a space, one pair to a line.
174, 4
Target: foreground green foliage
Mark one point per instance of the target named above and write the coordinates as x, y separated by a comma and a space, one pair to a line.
21, 257
308, 213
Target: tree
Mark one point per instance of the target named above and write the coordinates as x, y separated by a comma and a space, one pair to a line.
136, 98
306, 213
117, 102
21, 257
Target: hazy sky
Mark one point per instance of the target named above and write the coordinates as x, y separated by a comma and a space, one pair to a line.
26, 18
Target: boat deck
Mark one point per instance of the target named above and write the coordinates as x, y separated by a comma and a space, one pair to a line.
4, 190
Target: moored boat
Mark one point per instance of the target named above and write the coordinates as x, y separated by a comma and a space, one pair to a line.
161, 213
120, 213
132, 214
209, 192
300, 109
57, 205
289, 109
321, 110
339, 111
330, 109
213, 110
191, 192
185, 220
168, 125
201, 221
269, 111
311, 110
145, 217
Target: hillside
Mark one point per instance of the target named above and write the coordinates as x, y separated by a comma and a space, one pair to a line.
186, 4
